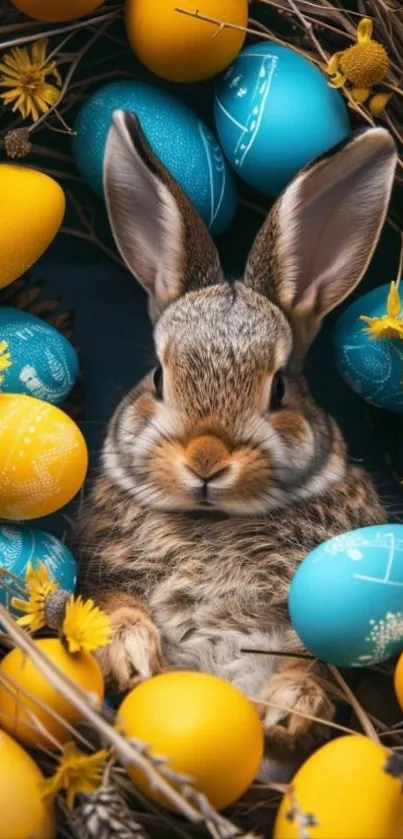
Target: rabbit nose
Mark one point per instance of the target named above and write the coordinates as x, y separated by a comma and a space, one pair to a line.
206, 456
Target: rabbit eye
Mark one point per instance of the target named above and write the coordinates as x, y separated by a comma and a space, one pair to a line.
158, 379
277, 391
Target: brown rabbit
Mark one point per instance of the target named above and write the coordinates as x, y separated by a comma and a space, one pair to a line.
220, 473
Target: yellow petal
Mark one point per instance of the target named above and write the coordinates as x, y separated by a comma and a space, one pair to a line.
378, 103
338, 79
39, 51
333, 65
394, 305
21, 55
12, 61
26, 620
364, 30
12, 83
20, 605
9, 96
10, 72
360, 94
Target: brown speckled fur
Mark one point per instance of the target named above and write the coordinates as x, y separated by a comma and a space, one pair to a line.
193, 587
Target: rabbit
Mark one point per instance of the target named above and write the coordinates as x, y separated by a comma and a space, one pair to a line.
219, 471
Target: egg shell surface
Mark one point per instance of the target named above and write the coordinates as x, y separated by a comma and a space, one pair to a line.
43, 458
373, 368
347, 793
274, 113
81, 667
23, 811
31, 212
178, 137
205, 727
41, 362
179, 47
346, 597
20, 547
52, 11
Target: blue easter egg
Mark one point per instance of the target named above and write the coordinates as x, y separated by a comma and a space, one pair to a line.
373, 368
274, 113
35, 359
346, 598
179, 138
20, 546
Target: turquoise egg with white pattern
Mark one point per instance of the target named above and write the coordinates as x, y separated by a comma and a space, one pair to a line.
346, 598
274, 113
35, 359
178, 137
372, 367
20, 546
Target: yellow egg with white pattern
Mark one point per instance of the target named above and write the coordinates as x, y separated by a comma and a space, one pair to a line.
43, 458
31, 211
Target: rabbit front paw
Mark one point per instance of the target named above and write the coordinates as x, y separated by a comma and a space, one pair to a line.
134, 652
289, 701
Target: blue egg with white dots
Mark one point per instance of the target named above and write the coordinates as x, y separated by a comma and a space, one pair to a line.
19, 547
35, 359
178, 137
346, 598
372, 367
274, 113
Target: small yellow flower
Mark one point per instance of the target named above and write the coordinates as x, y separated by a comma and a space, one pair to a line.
39, 586
85, 627
363, 65
5, 359
25, 71
77, 773
377, 103
391, 324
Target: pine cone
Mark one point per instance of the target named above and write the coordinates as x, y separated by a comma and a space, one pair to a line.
105, 815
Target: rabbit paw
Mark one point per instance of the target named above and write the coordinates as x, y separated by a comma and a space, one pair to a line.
291, 699
134, 653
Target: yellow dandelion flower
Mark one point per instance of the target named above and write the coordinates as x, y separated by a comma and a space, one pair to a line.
363, 65
77, 773
5, 359
391, 324
25, 72
38, 586
85, 626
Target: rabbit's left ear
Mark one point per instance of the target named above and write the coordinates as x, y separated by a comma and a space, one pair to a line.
320, 236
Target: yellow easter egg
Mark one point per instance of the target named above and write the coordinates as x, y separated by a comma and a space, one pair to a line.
31, 211
81, 667
55, 10
204, 726
43, 458
181, 48
344, 790
399, 681
22, 810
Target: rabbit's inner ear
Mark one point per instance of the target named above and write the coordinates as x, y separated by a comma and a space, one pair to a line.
319, 239
158, 232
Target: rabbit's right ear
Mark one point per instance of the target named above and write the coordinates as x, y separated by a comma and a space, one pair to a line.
320, 236
158, 232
